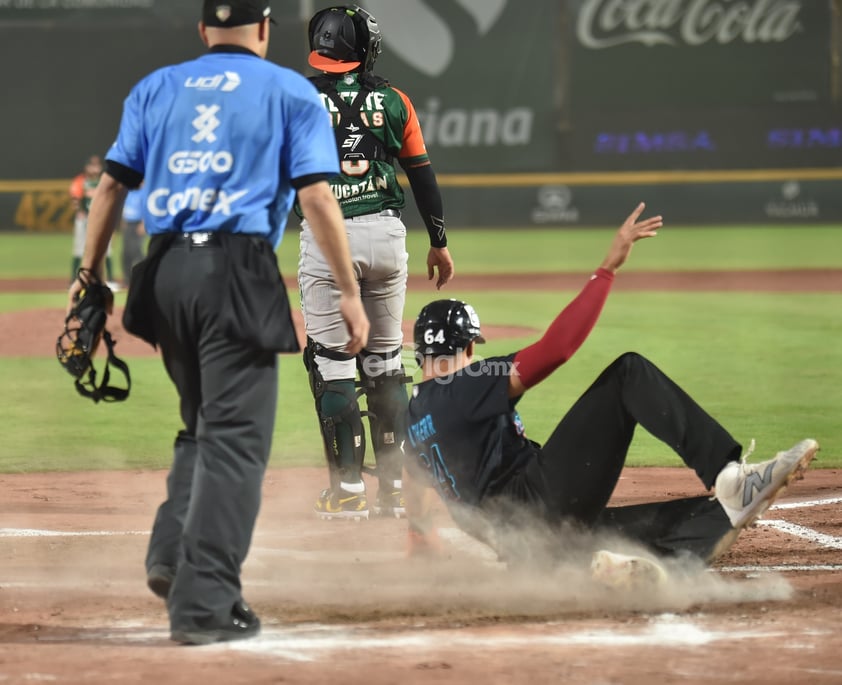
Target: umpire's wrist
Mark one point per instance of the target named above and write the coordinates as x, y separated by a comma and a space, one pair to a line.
90, 272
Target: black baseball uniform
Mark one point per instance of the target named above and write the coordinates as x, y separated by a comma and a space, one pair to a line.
468, 438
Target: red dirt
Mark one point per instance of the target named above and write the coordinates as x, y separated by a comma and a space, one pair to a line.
33, 332
339, 601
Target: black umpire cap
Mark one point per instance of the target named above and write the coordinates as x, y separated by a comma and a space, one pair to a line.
228, 13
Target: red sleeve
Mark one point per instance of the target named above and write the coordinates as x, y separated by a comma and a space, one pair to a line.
566, 334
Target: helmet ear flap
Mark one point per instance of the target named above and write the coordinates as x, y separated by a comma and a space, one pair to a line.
372, 37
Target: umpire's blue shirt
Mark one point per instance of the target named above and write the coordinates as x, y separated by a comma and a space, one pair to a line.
218, 139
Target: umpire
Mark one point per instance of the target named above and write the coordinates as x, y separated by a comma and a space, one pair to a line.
222, 143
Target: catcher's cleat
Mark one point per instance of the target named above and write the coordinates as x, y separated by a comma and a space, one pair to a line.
746, 491
390, 503
341, 504
626, 572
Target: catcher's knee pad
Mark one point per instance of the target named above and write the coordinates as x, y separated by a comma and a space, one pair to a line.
340, 420
387, 407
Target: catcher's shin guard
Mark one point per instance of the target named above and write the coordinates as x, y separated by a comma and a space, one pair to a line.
340, 420
387, 407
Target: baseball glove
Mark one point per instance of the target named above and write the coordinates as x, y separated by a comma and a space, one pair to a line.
84, 328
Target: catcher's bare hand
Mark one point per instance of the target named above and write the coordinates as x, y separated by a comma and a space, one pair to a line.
439, 258
356, 321
629, 233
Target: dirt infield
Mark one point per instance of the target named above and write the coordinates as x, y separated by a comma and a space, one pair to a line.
33, 332
341, 603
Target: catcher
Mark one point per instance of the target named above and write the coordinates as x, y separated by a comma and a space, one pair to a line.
468, 440
376, 129
84, 329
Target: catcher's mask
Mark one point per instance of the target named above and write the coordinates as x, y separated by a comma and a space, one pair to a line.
84, 327
342, 39
445, 326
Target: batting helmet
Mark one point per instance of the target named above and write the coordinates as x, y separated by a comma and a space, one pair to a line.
445, 326
344, 38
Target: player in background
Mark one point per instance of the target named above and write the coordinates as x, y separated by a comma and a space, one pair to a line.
376, 127
82, 189
467, 440
133, 233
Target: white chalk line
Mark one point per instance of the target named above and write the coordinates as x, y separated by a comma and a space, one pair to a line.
806, 503
469, 545
369, 556
805, 533
39, 533
312, 642
309, 644
779, 568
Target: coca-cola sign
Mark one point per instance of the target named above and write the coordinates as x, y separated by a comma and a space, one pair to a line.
607, 23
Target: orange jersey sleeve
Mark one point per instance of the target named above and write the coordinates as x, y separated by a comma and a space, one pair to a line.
77, 187
413, 139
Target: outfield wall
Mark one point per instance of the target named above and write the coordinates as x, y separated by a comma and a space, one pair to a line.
550, 116
808, 196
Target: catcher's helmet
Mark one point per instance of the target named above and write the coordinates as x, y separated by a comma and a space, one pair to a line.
445, 326
343, 38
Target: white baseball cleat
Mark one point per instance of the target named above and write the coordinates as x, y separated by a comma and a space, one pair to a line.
746, 491
626, 572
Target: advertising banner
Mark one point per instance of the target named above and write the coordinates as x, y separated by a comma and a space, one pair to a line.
683, 54
703, 84
501, 87
558, 205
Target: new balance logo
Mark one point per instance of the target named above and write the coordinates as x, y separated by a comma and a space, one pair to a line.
206, 123
756, 483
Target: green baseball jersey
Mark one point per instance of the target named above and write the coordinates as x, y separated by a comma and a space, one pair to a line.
371, 133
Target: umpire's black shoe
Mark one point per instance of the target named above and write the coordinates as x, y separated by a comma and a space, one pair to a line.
242, 624
159, 579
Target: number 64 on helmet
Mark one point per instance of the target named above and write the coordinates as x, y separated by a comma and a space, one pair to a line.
444, 327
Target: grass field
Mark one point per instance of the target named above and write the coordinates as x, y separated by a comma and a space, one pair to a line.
766, 365
519, 250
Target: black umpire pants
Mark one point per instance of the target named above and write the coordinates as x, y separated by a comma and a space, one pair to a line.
227, 392
581, 461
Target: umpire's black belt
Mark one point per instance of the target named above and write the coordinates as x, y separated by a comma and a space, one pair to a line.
198, 239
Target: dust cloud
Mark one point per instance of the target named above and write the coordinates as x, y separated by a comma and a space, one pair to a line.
541, 575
